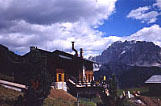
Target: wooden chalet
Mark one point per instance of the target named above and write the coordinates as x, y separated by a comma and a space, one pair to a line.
154, 83
70, 72
70, 68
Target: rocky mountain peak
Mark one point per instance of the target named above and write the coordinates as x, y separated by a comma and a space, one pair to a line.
133, 53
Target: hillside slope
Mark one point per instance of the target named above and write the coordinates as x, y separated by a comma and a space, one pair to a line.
61, 94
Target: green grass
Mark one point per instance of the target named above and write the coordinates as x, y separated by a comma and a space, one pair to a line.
94, 100
60, 102
8, 97
57, 102
88, 102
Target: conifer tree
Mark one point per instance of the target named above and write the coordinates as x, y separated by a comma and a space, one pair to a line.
113, 87
38, 81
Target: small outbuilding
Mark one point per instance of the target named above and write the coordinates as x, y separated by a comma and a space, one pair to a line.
154, 83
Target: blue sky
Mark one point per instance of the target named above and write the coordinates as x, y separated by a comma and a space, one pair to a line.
93, 24
119, 25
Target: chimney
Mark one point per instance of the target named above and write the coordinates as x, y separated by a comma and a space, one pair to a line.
32, 48
76, 53
81, 52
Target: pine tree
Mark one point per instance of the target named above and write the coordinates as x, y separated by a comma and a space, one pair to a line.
38, 81
113, 87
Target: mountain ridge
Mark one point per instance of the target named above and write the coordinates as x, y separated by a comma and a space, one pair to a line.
133, 53
133, 62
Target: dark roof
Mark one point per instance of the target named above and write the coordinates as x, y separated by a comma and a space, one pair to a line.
43, 52
91, 61
60, 54
156, 79
68, 56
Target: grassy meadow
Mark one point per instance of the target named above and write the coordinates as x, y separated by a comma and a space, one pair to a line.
9, 97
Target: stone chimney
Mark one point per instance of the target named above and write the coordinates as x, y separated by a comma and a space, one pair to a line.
81, 52
32, 48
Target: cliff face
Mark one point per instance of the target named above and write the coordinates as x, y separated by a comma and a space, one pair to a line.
132, 61
133, 53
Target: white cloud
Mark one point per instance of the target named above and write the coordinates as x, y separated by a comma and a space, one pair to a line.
53, 24
53, 11
158, 4
144, 14
150, 34
60, 38
56, 36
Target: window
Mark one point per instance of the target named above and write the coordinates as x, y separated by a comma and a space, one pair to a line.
89, 77
60, 77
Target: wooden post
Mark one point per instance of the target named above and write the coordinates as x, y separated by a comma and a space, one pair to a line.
77, 99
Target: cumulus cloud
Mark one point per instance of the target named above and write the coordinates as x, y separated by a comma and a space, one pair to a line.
158, 4
56, 36
53, 24
54, 11
150, 34
144, 14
